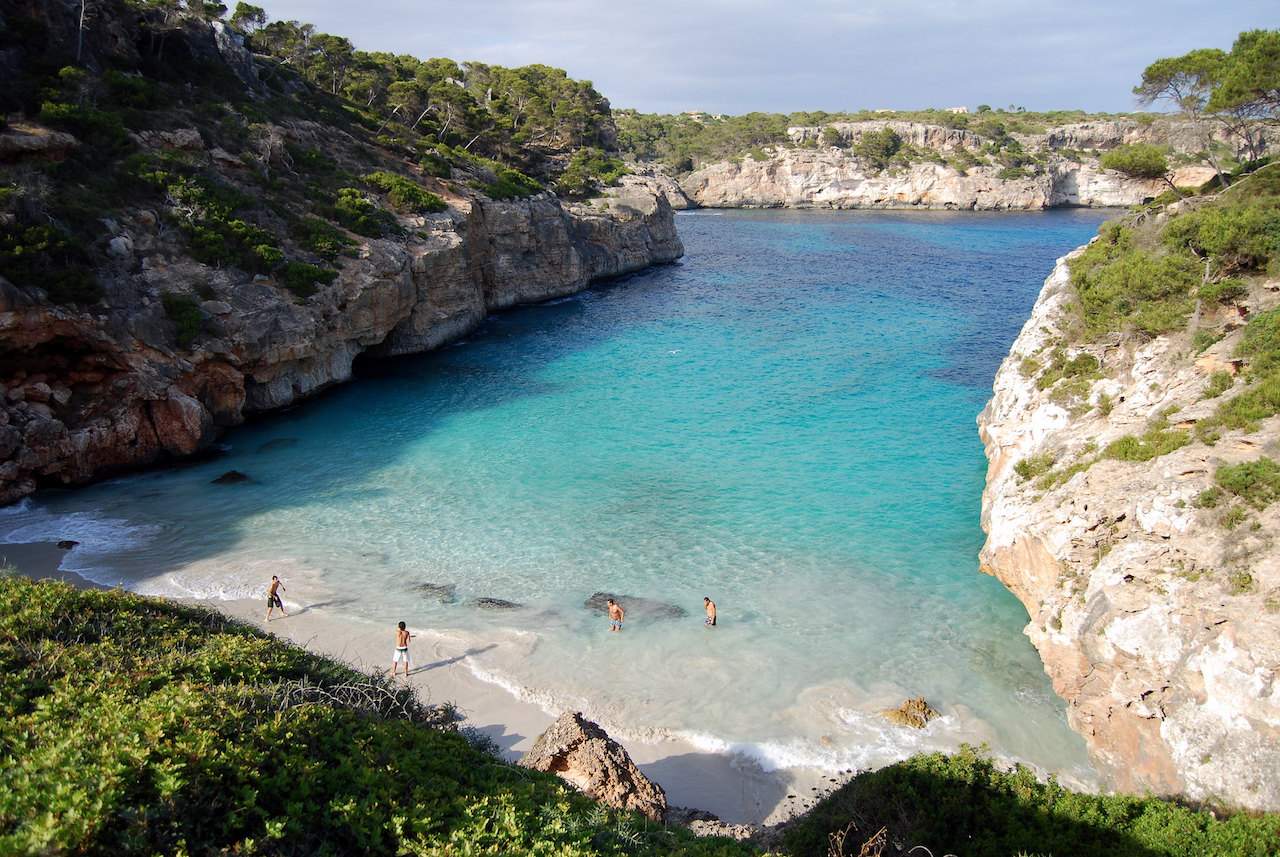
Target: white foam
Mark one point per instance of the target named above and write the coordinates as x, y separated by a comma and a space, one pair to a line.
99, 536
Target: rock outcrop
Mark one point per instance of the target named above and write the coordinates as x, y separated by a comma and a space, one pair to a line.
581, 753
1166, 649
88, 391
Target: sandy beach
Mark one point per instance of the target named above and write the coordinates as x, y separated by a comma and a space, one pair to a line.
733, 789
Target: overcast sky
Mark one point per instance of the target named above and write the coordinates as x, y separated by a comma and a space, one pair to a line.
734, 56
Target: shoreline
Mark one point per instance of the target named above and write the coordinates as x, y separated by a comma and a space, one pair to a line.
734, 789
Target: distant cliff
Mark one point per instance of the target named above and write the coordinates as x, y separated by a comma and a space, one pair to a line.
1132, 442
948, 168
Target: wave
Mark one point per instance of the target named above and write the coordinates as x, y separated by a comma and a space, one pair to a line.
99, 536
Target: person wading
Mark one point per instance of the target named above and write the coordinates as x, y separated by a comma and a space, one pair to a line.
710, 607
273, 597
616, 615
401, 653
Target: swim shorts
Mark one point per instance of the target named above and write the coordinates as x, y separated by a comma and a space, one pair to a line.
400, 655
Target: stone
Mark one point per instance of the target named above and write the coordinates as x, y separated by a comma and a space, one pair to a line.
278, 443
216, 307
38, 392
23, 140
231, 477
495, 604
703, 823
635, 606
120, 247
67, 544
913, 712
582, 754
445, 593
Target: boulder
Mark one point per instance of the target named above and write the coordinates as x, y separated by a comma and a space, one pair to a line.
636, 606
445, 593
495, 604
914, 712
67, 544
231, 477
582, 754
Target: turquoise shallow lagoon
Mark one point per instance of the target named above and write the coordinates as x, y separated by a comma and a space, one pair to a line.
784, 422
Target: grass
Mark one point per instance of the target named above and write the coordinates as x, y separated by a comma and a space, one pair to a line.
964, 804
1219, 383
1081, 366
1153, 443
1256, 483
130, 725
1035, 465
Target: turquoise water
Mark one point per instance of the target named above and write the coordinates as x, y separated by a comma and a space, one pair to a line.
784, 422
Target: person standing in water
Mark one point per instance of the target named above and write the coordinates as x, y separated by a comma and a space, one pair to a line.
710, 607
273, 597
616, 615
402, 650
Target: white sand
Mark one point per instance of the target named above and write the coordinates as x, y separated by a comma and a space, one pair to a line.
732, 788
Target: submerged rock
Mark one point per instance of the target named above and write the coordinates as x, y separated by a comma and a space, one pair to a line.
231, 477
495, 604
636, 606
278, 443
914, 712
67, 544
583, 754
445, 593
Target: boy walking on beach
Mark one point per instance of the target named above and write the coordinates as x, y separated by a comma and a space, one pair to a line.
402, 650
710, 607
273, 597
616, 615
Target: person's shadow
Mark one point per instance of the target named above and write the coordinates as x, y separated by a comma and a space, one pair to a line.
453, 660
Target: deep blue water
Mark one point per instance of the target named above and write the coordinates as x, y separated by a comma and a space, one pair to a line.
784, 421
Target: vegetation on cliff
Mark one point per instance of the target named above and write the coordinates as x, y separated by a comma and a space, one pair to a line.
131, 725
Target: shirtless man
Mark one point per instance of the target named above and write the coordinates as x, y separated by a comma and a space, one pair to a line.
273, 597
402, 650
616, 615
710, 607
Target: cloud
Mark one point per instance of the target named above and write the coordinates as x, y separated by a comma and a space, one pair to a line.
734, 56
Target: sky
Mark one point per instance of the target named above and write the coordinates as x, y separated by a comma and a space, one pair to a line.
735, 56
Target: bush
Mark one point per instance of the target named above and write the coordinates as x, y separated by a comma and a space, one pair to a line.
183, 311
1261, 343
1118, 286
831, 138
1011, 173
1153, 444
590, 170
878, 147
1237, 237
1226, 291
1035, 465
361, 215
404, 194
130, 725
302, 278
47, 258
965, 804
320, 237
1256, 482
1219, 383
1140, 161
1082, 366
99, 128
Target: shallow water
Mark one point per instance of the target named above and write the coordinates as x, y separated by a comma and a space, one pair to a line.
784, 422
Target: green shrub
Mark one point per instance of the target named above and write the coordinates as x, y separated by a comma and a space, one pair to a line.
1203, 338
99, 128
320, 237
1256, 482
1140, 160
1233, 517
361, 215
184, 311
1152, 444
1011, 173
1245, 410
1236, 237
302, 278
1260, 344
45, 257
877, 147
130, 725
1119, 286
436, 165
1208, 498
405, 195
1033, 466
589, 170
1240, 582
1219, 383
964, 804
1226, 291
1083, 366
508, 184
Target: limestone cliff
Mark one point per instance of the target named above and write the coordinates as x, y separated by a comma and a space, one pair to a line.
952, 168
1155, 616
91, 390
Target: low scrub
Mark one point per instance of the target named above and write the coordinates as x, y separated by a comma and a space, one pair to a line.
354, 210
184, 312
965, 804
1257, 482
130, 725
1153, 443
1119, 286
589, 170
405, 195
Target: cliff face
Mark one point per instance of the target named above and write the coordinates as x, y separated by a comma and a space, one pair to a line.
89, 391
1062, 168
805, 178
1168, 659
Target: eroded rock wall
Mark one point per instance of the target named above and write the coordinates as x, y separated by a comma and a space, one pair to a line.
1170, 665
85, 392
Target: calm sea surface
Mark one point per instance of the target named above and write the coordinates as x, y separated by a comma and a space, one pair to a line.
783, 422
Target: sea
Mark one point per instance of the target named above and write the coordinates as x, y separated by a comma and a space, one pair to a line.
782, 422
